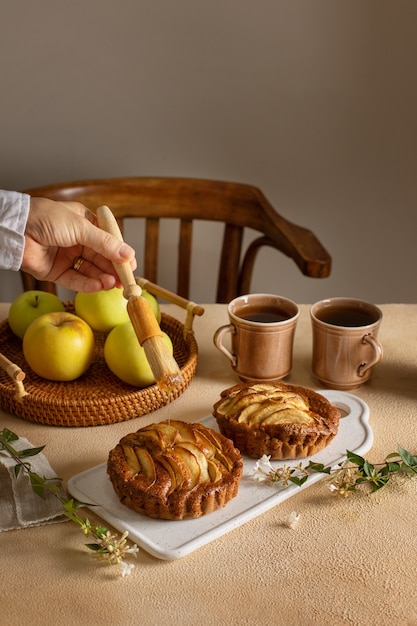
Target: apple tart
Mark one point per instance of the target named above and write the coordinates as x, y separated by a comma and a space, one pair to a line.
175, 470
280, 420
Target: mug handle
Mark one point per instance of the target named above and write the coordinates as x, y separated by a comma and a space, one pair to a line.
218, 336
364, 367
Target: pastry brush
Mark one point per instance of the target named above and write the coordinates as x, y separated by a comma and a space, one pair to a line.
163, 365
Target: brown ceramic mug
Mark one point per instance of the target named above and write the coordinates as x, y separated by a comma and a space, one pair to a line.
345, 345
262, 330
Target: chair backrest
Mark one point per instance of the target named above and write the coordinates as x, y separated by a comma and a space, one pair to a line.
238, 206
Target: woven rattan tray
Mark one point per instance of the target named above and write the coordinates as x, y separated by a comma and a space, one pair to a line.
98, 397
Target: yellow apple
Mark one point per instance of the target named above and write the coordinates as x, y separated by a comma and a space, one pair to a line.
103, 310
30, 305
126, 358
59, 346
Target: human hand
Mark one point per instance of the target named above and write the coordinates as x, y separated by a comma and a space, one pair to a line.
64, 245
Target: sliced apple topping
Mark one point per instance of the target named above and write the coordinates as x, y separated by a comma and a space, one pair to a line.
175, 472
242, 398
186, 431
188, 454
201, 460
168, 433
214, 471
191, 461
288, 415
150, 439
146, 463
247, 412
224, 460
264, 404
181, 467
132, 459
205, 444
218, 449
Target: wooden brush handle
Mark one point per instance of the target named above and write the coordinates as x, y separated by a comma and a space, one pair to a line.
140, 312
107, 222
162, 363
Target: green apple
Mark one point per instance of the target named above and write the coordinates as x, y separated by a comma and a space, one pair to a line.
154, 304
30, 305
59, 346
126, 358
102, 310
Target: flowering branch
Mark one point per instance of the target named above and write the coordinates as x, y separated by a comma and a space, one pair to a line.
346, 478
106, 545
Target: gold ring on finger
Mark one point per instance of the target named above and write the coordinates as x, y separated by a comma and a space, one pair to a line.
77, 263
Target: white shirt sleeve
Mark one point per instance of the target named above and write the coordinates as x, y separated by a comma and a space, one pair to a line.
14, 210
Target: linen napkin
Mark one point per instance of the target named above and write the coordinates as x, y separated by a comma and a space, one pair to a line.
20, 506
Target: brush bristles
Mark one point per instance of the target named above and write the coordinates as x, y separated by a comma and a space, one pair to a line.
163, 365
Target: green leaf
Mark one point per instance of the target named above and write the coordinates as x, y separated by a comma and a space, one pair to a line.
29, 452
298, 481
74, 518
39, 490
318, 467
362, 479
37, 484
408, 458
391, 467
368, 469
355, 458
393, 455
94, 546
53, 488
69, 505
74, 505
379, 483
101, 531
8, 435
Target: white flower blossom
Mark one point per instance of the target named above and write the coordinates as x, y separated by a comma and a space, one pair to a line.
132, 550
126, 568
263, 468
292, 520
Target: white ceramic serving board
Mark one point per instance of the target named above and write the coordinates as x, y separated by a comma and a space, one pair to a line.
168, 540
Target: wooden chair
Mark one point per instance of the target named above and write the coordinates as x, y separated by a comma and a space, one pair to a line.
238, 206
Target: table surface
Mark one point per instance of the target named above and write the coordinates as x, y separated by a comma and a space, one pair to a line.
349, 561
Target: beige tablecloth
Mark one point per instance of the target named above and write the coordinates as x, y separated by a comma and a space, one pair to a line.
349, 561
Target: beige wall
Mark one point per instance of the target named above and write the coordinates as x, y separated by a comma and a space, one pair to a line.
314, 101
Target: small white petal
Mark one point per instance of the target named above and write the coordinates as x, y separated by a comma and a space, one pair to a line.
262, 469
126, 568
264, 463
292, 520
133, 549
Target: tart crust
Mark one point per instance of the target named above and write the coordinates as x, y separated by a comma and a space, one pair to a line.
175, 470
276, 419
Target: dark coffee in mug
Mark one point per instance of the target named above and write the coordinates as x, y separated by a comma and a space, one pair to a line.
345, 344
264, 316
260, 334
345, 316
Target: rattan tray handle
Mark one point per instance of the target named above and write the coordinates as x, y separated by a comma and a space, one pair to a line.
15, 373
191, 308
